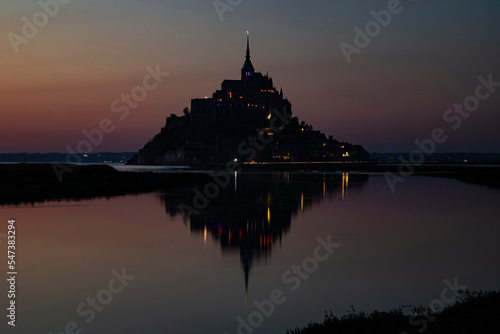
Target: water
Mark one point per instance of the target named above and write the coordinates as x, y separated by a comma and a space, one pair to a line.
199, 275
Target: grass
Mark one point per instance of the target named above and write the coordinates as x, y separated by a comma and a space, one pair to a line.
474, 312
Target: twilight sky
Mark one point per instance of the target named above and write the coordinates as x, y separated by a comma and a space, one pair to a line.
65, 77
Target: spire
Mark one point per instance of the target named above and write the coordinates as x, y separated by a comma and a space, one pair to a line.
248, 45
247, 70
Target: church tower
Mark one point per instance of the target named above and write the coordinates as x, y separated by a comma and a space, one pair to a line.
247, 70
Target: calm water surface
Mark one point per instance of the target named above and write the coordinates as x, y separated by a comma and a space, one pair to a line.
199, 274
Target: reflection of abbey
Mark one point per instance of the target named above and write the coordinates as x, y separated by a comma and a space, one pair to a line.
247, 119
254, 216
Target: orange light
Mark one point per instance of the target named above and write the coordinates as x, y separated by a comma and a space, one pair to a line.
230, 95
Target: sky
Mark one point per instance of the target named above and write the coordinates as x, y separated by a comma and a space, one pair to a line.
61, 78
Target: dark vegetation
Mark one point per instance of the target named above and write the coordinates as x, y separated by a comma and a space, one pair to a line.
26, 183
476, 312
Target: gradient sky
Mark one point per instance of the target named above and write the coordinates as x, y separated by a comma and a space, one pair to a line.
395, 91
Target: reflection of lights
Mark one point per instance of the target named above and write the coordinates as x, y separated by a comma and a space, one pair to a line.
229, 237
205, 234
235, 180
301, 202
345, 184
268, 215
265, 241
324, 189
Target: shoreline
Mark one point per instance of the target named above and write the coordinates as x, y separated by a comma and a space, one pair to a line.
487, 175
32, 183
28, 183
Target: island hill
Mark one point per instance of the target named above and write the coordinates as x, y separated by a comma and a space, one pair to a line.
248, 120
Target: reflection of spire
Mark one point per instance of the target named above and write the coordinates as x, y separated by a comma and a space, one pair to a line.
246, 259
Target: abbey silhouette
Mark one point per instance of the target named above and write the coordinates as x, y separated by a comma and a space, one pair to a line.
247, 119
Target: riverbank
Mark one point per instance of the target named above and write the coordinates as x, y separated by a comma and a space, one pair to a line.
477, 312
26, 183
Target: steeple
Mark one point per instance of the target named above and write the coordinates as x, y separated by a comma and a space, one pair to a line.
247, 70
248, 45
